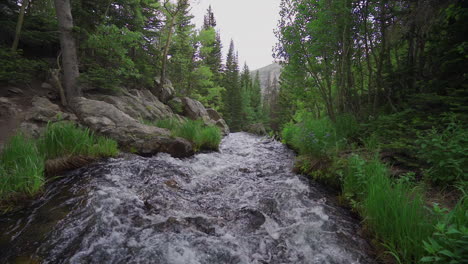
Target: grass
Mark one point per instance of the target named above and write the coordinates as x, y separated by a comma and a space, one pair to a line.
65, 139
21, 167
393, 210
202, 137
22, 161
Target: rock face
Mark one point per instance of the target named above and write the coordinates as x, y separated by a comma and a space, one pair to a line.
139, 104
195, 110
132, 136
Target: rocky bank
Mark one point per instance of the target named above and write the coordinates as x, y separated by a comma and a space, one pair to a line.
119, 117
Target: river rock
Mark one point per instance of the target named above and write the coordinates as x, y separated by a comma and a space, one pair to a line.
131, 135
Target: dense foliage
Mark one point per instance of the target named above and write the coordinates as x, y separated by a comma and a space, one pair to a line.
398, 68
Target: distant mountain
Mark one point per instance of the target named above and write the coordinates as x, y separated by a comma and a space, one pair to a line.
269, 77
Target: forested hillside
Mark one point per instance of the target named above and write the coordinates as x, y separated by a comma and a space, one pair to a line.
121, 45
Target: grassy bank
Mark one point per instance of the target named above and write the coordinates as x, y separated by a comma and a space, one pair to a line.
394, 206
202, 137
22, 161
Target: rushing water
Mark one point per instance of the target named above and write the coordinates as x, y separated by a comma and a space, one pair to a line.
240, 205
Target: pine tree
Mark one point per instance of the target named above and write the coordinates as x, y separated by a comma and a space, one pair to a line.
256, 97
232, 97
209, 20
182, 52
248, 116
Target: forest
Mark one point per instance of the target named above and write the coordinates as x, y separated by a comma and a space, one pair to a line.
372, 97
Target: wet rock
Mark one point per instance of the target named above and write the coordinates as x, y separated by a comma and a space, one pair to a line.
251, 218
172, 184
201, 224
132, 135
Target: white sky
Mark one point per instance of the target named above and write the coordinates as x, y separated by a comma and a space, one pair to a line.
249, 23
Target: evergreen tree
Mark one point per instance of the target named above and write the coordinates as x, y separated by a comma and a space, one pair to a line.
232, 97
246, 91
256, 98
181, 64
209, 20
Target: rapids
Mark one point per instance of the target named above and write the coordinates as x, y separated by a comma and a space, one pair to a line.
239, 205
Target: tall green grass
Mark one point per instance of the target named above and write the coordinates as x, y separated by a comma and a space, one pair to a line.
397, 215
202, 137
393, 210
66, 139
21, 167
22, 161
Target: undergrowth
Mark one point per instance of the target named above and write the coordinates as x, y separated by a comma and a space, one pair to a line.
393, 208
22, 160
21, 167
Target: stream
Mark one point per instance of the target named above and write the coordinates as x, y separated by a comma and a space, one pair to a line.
239, 205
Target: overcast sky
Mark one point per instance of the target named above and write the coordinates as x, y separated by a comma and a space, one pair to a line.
249, 23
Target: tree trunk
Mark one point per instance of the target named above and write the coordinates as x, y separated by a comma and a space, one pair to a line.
68, 46
19, 24
166, 51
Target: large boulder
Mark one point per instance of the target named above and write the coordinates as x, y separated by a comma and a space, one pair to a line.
164, 91
131, 135
43, 110
195, 110
139, 104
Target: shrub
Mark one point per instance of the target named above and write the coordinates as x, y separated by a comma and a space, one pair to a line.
21, 167
314, 137
14, 68
447, 153
449, 243
64, 138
